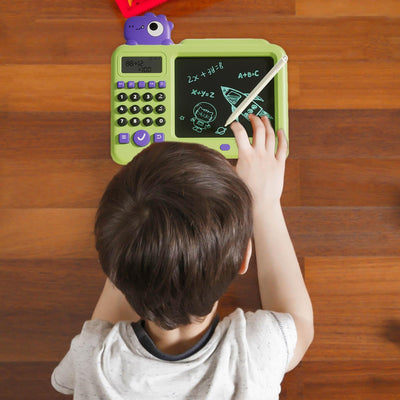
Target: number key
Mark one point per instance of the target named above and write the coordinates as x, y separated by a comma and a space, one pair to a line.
160, 109
160, 96
160, 121
122, 96
147, 109
122, 109
147, 96
135, 96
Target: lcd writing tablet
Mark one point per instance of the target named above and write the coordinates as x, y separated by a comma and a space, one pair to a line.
208, 90
185, 92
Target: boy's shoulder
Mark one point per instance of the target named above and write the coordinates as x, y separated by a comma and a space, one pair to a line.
263, 333
261, 323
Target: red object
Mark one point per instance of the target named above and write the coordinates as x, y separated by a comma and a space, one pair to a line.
130, 8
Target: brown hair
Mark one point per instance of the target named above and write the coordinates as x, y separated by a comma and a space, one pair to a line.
172, 229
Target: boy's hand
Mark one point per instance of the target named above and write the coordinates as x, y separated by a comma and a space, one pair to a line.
257, 164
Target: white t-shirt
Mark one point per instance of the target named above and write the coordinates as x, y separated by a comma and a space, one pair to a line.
245, 356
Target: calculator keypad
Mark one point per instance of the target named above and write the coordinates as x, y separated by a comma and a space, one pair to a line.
139, 104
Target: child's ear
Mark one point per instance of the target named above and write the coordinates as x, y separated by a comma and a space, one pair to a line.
246, 259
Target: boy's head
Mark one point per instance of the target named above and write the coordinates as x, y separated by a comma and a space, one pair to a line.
172, 230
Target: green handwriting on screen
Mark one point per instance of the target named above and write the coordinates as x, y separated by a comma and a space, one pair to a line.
211, 88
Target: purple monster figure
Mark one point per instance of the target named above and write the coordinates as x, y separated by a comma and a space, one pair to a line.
148, 29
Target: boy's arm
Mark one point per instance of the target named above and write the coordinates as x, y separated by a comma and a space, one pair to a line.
112, 306
281, 283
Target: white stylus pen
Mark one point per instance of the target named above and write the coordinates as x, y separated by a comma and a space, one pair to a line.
253, 94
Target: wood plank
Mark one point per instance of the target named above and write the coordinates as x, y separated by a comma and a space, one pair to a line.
329, 8
350, 380
348, 183
226, 8
19, 380
54, 43
55, 88
54, 183
47, 135
356, 308
98, 38
333, 134
44, 305
47, 233
352, 231
338, 85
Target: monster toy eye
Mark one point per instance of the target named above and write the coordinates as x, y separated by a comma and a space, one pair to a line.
155, 28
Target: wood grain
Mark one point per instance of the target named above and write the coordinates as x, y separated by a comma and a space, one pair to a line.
355, 313
341, 197
99, 37
364, 8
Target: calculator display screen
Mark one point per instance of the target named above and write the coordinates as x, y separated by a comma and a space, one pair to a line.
209, 89
141, 65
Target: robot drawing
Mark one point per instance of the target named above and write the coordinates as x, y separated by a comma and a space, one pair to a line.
148, 29
204, 113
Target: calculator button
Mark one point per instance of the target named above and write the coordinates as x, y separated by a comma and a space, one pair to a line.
135, 96
141, 84
122, 109
160, 121
147, 109
123, 138
159, 137
147, 96
147, 121
160, 96
162, 84
134, 109
120, 84
134, 121
141, 138
122, 121
160, 109
131, 84
122, 96
151, 84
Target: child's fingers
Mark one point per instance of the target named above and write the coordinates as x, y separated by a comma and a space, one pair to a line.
242, 139
270, 140
258, 132
282, 146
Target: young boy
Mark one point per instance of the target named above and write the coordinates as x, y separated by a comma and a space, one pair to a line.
173, 229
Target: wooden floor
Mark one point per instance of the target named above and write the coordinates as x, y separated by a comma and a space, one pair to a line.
341, 199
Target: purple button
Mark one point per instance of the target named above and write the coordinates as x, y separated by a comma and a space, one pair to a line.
152, 84
141, 84
159, 137
225, 147
123, 138
141, 138
120, 84
162, 84
131, 84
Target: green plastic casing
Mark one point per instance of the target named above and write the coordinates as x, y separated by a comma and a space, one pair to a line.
123, 153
